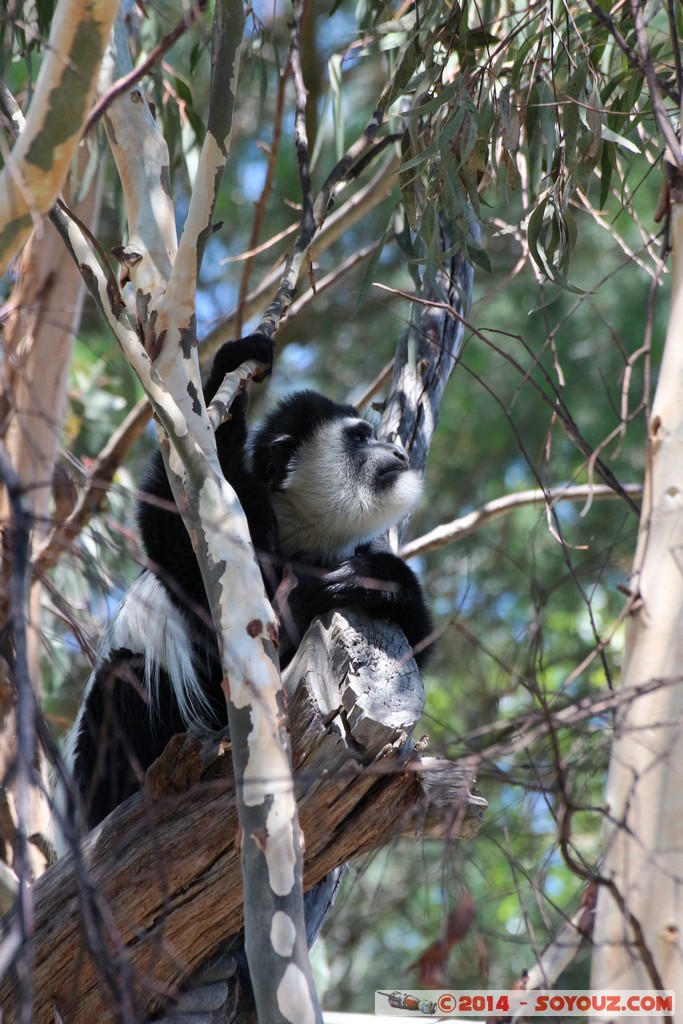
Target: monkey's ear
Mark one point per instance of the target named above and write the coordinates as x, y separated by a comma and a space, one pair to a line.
280, 451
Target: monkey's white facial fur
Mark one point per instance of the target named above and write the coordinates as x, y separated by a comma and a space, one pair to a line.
343, 488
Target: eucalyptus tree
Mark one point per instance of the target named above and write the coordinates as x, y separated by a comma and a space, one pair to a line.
530, 132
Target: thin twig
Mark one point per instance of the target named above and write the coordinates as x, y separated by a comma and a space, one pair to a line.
673, 35
661, 116
314, 214
25, 711
633, 58
266, 191
559, 407
307, 226
232, 384
331, 279
95, 491
113, 289
345, 217
343, 172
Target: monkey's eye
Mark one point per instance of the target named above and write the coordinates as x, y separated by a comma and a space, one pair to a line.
360, 433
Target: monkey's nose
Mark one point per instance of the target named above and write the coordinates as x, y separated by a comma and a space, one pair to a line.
400, 453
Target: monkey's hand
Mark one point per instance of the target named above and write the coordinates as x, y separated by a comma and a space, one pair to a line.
231, 356
376, 582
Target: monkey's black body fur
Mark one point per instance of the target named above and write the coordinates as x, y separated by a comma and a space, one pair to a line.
159, 672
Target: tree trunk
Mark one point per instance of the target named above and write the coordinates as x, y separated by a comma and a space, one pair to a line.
639, 912
47, 303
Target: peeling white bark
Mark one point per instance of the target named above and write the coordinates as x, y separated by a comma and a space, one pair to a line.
141, 156
282, 933
293, 997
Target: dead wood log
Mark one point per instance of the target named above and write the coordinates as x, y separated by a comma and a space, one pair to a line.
156, 887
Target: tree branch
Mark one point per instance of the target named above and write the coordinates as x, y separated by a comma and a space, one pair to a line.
165, 360
261, 204
662, 118
176, 308
38, 164
427, 353
155, 54
457, 529
315, 213
339, 222
141, 157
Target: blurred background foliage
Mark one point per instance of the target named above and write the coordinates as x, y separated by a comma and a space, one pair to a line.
533, 117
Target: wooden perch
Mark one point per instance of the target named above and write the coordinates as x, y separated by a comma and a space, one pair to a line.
157, 885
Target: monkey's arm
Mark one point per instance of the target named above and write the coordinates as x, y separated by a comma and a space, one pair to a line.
376, 582
233, 354
163, 532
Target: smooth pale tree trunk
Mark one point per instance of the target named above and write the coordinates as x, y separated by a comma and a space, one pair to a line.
640, 905
46, 303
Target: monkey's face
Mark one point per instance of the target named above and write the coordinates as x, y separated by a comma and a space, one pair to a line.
343, 488
380, 471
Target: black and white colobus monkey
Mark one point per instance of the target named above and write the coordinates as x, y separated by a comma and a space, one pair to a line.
318, 490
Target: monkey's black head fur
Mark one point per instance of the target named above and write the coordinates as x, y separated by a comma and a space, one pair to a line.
296, 418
